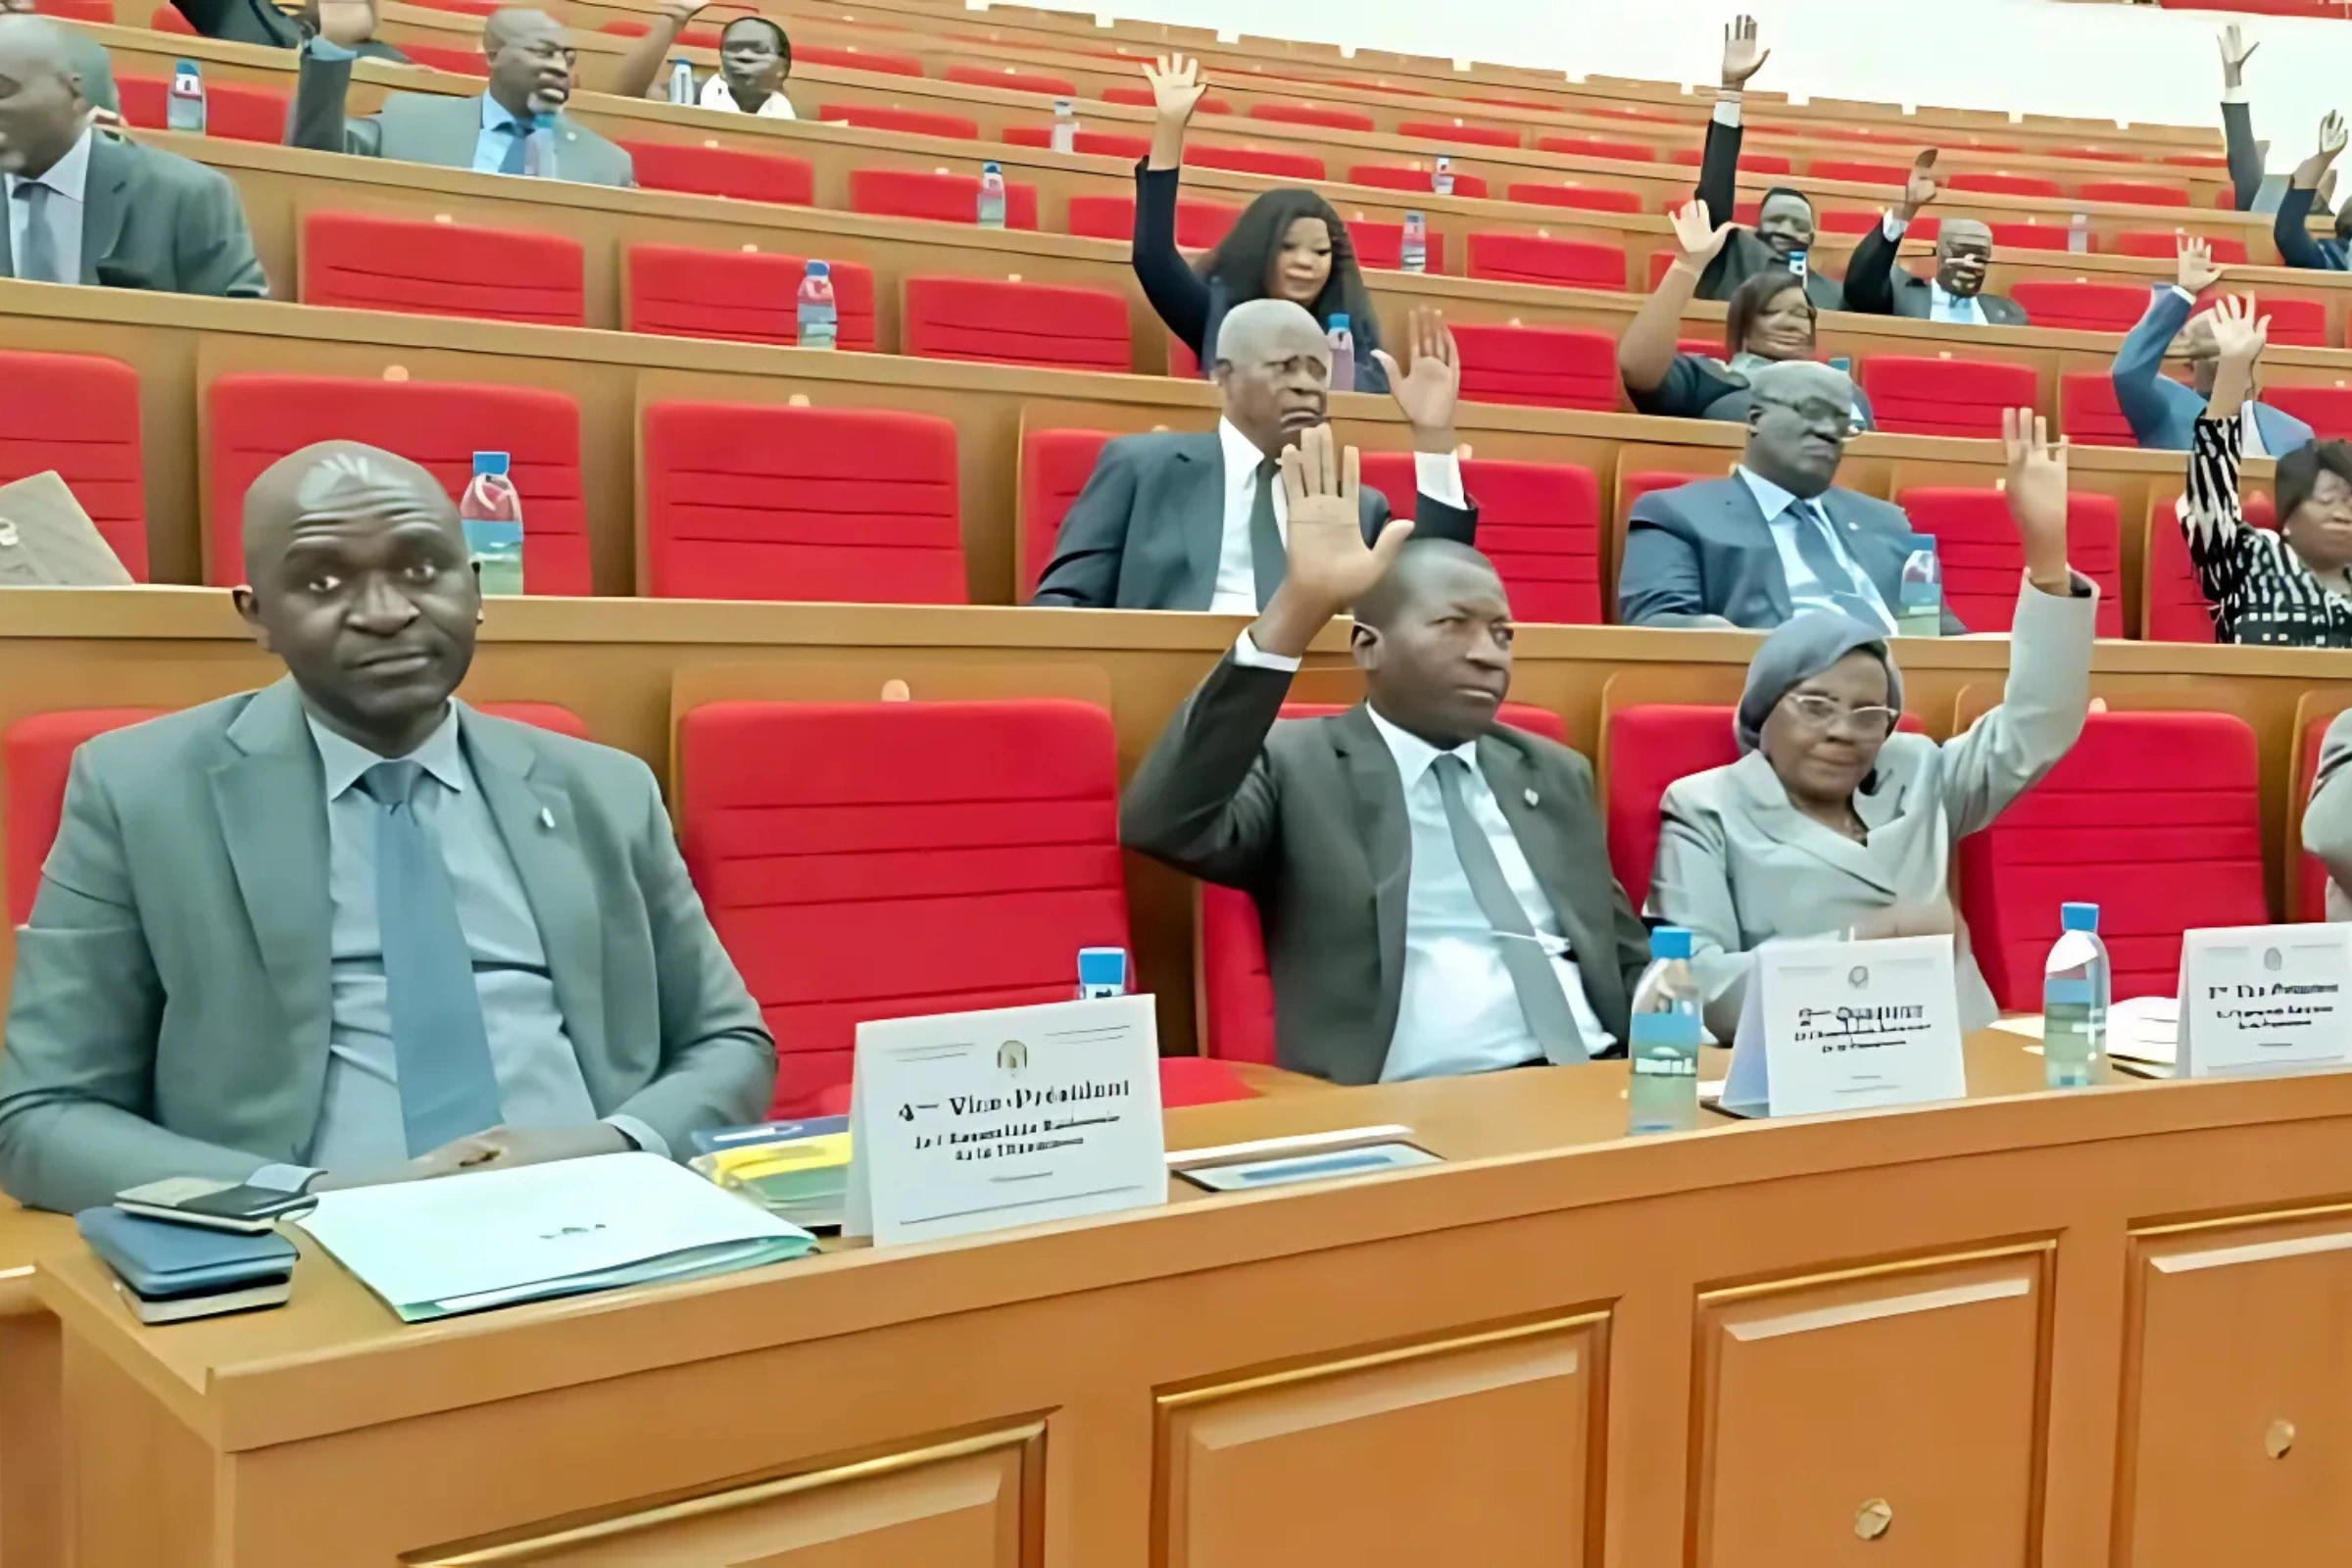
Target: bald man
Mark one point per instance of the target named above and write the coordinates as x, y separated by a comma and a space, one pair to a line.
516, 126
2163, 412
346, 929
1195, 520
85, 58
1955, 292
87, 207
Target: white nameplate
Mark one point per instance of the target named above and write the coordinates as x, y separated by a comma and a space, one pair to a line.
1847, 1026
2265, 998
975, 1121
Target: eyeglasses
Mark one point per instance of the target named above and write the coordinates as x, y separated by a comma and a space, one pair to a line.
1823, 712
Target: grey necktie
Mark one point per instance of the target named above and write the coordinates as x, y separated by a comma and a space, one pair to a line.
440, 1048
1266, 555
38, 261
1541, 999
1821, 558
518, 136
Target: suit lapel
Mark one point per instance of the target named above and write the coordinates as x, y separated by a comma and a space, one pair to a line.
105, 201
1740, 502
1194, 498
1378, 802
271, 799
1784, 824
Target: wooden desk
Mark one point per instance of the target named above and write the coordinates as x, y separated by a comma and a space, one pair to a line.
32, 1472
2010, 1329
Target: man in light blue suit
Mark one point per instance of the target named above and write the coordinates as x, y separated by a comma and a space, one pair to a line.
2162, 412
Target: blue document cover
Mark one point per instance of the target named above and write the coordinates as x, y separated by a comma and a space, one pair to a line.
158, 1259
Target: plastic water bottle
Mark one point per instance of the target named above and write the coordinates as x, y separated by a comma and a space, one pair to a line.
539, 149
820, 323
183, 105
1343, 354
992, 196
1441, 175
681, 82
1919, 601
492, 511
1065, 125
2074, 1001
1664, 1095
2078, 233
1796, 263
1413, 254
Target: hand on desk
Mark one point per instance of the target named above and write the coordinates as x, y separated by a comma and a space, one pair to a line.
497, 1148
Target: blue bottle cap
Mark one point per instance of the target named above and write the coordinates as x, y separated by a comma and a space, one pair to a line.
1923, 541
490, 463
817, 268
991, 169
2078, 916
1669, 942
1339, 321
184, 67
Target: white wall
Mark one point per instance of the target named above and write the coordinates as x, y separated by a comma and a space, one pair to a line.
2127, 63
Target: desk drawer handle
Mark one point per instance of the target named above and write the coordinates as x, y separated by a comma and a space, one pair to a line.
1873, 1517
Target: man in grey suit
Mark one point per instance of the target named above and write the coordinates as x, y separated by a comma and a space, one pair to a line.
1195, 520
1777, 536
1955, 293
84, 206
346, 930
517, 126
1434, 888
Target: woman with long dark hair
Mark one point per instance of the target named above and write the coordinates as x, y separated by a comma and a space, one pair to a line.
1287, 244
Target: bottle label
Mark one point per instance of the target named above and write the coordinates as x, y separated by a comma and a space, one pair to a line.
496, 550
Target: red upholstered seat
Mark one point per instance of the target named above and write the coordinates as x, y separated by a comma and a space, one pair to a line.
1141, 97
765, 501
1054, 466
1750, 163
36, 755
1236, 994
1312, 114
876, 859
362, 261
456, 62
2156, 817
849, 57
166, 19
722, 172
250, 422
2299, 322
79, 413
1980, 179
1093, 143
1539, 522
1916, 396
1533, 259
1541, 367
1629, 152
1861, 220
1458, 134
1861, 174
910, 122
691, 37
1012, 78
2174, 606
740, 296
101, 11
2328, 409
2307, 873
1588, 198
1381, 247
1003, 322
234, 111
2133, 192
1983, 562
2088, 412
2083, 307
1405, 176
2023, 237
1648, 747
1198, 224
1253, 161
940, 198
2165, 243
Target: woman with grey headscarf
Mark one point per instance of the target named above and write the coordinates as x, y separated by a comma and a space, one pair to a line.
1831, 820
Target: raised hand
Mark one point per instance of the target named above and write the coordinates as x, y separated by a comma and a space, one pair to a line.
1329, 565
1176, 86
2235, 52
2332, 142
2036, 491
1742, 56
346, 23
2197, 269
1921, 187
1428, 391
2331, 135
1698, 239
2238, 334
681, 12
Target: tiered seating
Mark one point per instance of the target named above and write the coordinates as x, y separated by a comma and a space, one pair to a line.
740, 296
78, 415
1945, 397
382, 263
1539, 522
941, 198
1015, 324
1545, 367
1976, 543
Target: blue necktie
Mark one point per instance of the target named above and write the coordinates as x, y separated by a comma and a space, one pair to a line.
440, 1048
1815, 548
38, 262
518, 136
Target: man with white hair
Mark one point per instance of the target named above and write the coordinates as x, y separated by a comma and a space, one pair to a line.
1776, 538
1195, 521
1954, 292
2162, 412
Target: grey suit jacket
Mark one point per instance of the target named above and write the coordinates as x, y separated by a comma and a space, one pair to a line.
171, 1000
1740, 866
2327, 817
1704, 549
155, 220
1308, 816
424, 128
1146, 531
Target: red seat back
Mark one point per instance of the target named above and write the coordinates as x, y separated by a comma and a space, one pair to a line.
1541, 367
738, 295
2083, 307
876, 859
1012, 78
722, 172
2023, 237
1054, 466
1381, 247
166, 19
1916, 396
2298, 322
1455, 133
2174, 604
765, 501
1588, 198
101, 11
1861, 174
456, 62
1312, 114
940, 198
1406, 176
1848, 221
1253, 161
1539, 522
1199, 225
1533, 259
1980, 179
1649, 745
361, 262
1976, 543
250, 422
1750, 163
849, 57
1629, 152
2156, 817
2328, 409
1141, 98
2135, 192
2088, 413
910, 122
79, 413
1093, 143
234, 111
1003, 322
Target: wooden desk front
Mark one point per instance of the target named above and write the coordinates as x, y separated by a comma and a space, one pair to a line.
2063, 1329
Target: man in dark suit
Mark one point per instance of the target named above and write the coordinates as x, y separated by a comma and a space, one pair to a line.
1784, 233
260, 21
2290, 226
1195, 521
1777, 537
2253, 188
1963, 256
84, 206
1434, 888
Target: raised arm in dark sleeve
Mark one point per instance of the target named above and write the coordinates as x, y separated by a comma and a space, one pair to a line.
1176, 292
1204, 799
1719, 189
2245, 158
2289, 230
319, 121
1869, 274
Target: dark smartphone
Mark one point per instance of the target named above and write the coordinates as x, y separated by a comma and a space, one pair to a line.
251, 1210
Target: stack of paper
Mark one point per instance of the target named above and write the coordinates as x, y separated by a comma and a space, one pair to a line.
461, 1243
797, 1170
2144, 1035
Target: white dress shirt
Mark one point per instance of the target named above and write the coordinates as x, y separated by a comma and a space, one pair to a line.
1806, 591
715, 96
1941, 306
1437, 475
1456, 1008
68, 179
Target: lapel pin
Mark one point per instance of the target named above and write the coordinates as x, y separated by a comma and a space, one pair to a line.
547, 818
1531, 797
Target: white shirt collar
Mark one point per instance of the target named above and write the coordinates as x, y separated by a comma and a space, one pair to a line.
1242, 455
1415, 755
1944, 299
714, 95
70, 175
344, 761
1769, 496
